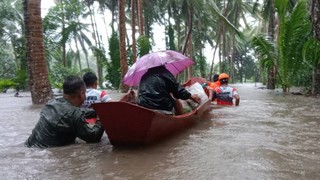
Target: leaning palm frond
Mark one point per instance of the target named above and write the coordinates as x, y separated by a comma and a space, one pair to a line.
311, 53
266, 50
213, 8
294, 28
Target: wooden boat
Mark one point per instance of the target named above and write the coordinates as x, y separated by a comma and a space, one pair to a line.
129, 124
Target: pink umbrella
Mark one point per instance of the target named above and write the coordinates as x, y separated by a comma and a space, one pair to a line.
174, 61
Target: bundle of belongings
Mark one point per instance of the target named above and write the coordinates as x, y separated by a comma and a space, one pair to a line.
189, 105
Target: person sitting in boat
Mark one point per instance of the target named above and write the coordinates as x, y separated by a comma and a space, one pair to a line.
62, 120
93, 95
156, 88
225, 93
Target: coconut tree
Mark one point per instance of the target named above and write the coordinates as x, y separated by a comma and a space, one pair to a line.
292, 36
63, 27
13, 45
140, 17
133, 26
311, 50
95, 34
38, 72
122, 44
287, 50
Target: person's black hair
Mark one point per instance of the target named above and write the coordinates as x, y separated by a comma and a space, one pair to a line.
224, 81
89, 79
72, 85
215, 77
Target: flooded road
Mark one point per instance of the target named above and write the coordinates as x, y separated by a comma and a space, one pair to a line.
269, 136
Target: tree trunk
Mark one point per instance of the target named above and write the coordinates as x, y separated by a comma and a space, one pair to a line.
113, 15
122, 44
37, 68
140, 18
133, 25
202, 64
78, 52
214, 54
220, 32
99, 63
97, 44
315, 15
316, 81
64, 51
271, 84
190, 49
232, 58
189, 25
179, 35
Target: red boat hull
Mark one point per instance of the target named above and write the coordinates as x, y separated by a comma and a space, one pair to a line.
129, 124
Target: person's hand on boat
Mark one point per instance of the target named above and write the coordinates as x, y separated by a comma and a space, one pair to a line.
195, 98
129, 97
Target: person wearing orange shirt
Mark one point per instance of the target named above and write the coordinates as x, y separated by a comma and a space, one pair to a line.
225, 94
213, 85
215, 82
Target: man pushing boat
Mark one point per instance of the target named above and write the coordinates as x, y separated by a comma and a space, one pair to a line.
62, 120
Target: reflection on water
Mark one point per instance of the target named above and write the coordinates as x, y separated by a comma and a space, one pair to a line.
269, 136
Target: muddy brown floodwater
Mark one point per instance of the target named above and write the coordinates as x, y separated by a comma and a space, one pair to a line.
269, 136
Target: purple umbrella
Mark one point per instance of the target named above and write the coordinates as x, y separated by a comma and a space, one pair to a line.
174, 61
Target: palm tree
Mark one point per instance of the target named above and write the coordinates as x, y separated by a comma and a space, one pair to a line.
140, 17
97, 49
122, 44
11, 32
287, 50
315, 15
268, 14
271, 32
133, 26
38, 72
292, 36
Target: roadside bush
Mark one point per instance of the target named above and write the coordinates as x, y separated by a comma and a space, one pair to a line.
7, 83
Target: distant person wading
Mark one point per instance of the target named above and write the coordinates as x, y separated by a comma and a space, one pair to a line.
225, 93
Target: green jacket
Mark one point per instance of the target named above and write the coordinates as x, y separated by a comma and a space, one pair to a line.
60, 123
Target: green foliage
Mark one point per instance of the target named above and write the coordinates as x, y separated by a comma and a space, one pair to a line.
7, 83
295, 28
129, 56
113, 67
144, 45
7, 64
225, 67
267, 53
100, 55
59, 73
266, 50
12, 42
62, 26
311, 59
202, 68
250, 68
294, 31
170, 38
246, 68
311, 53
21, 79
